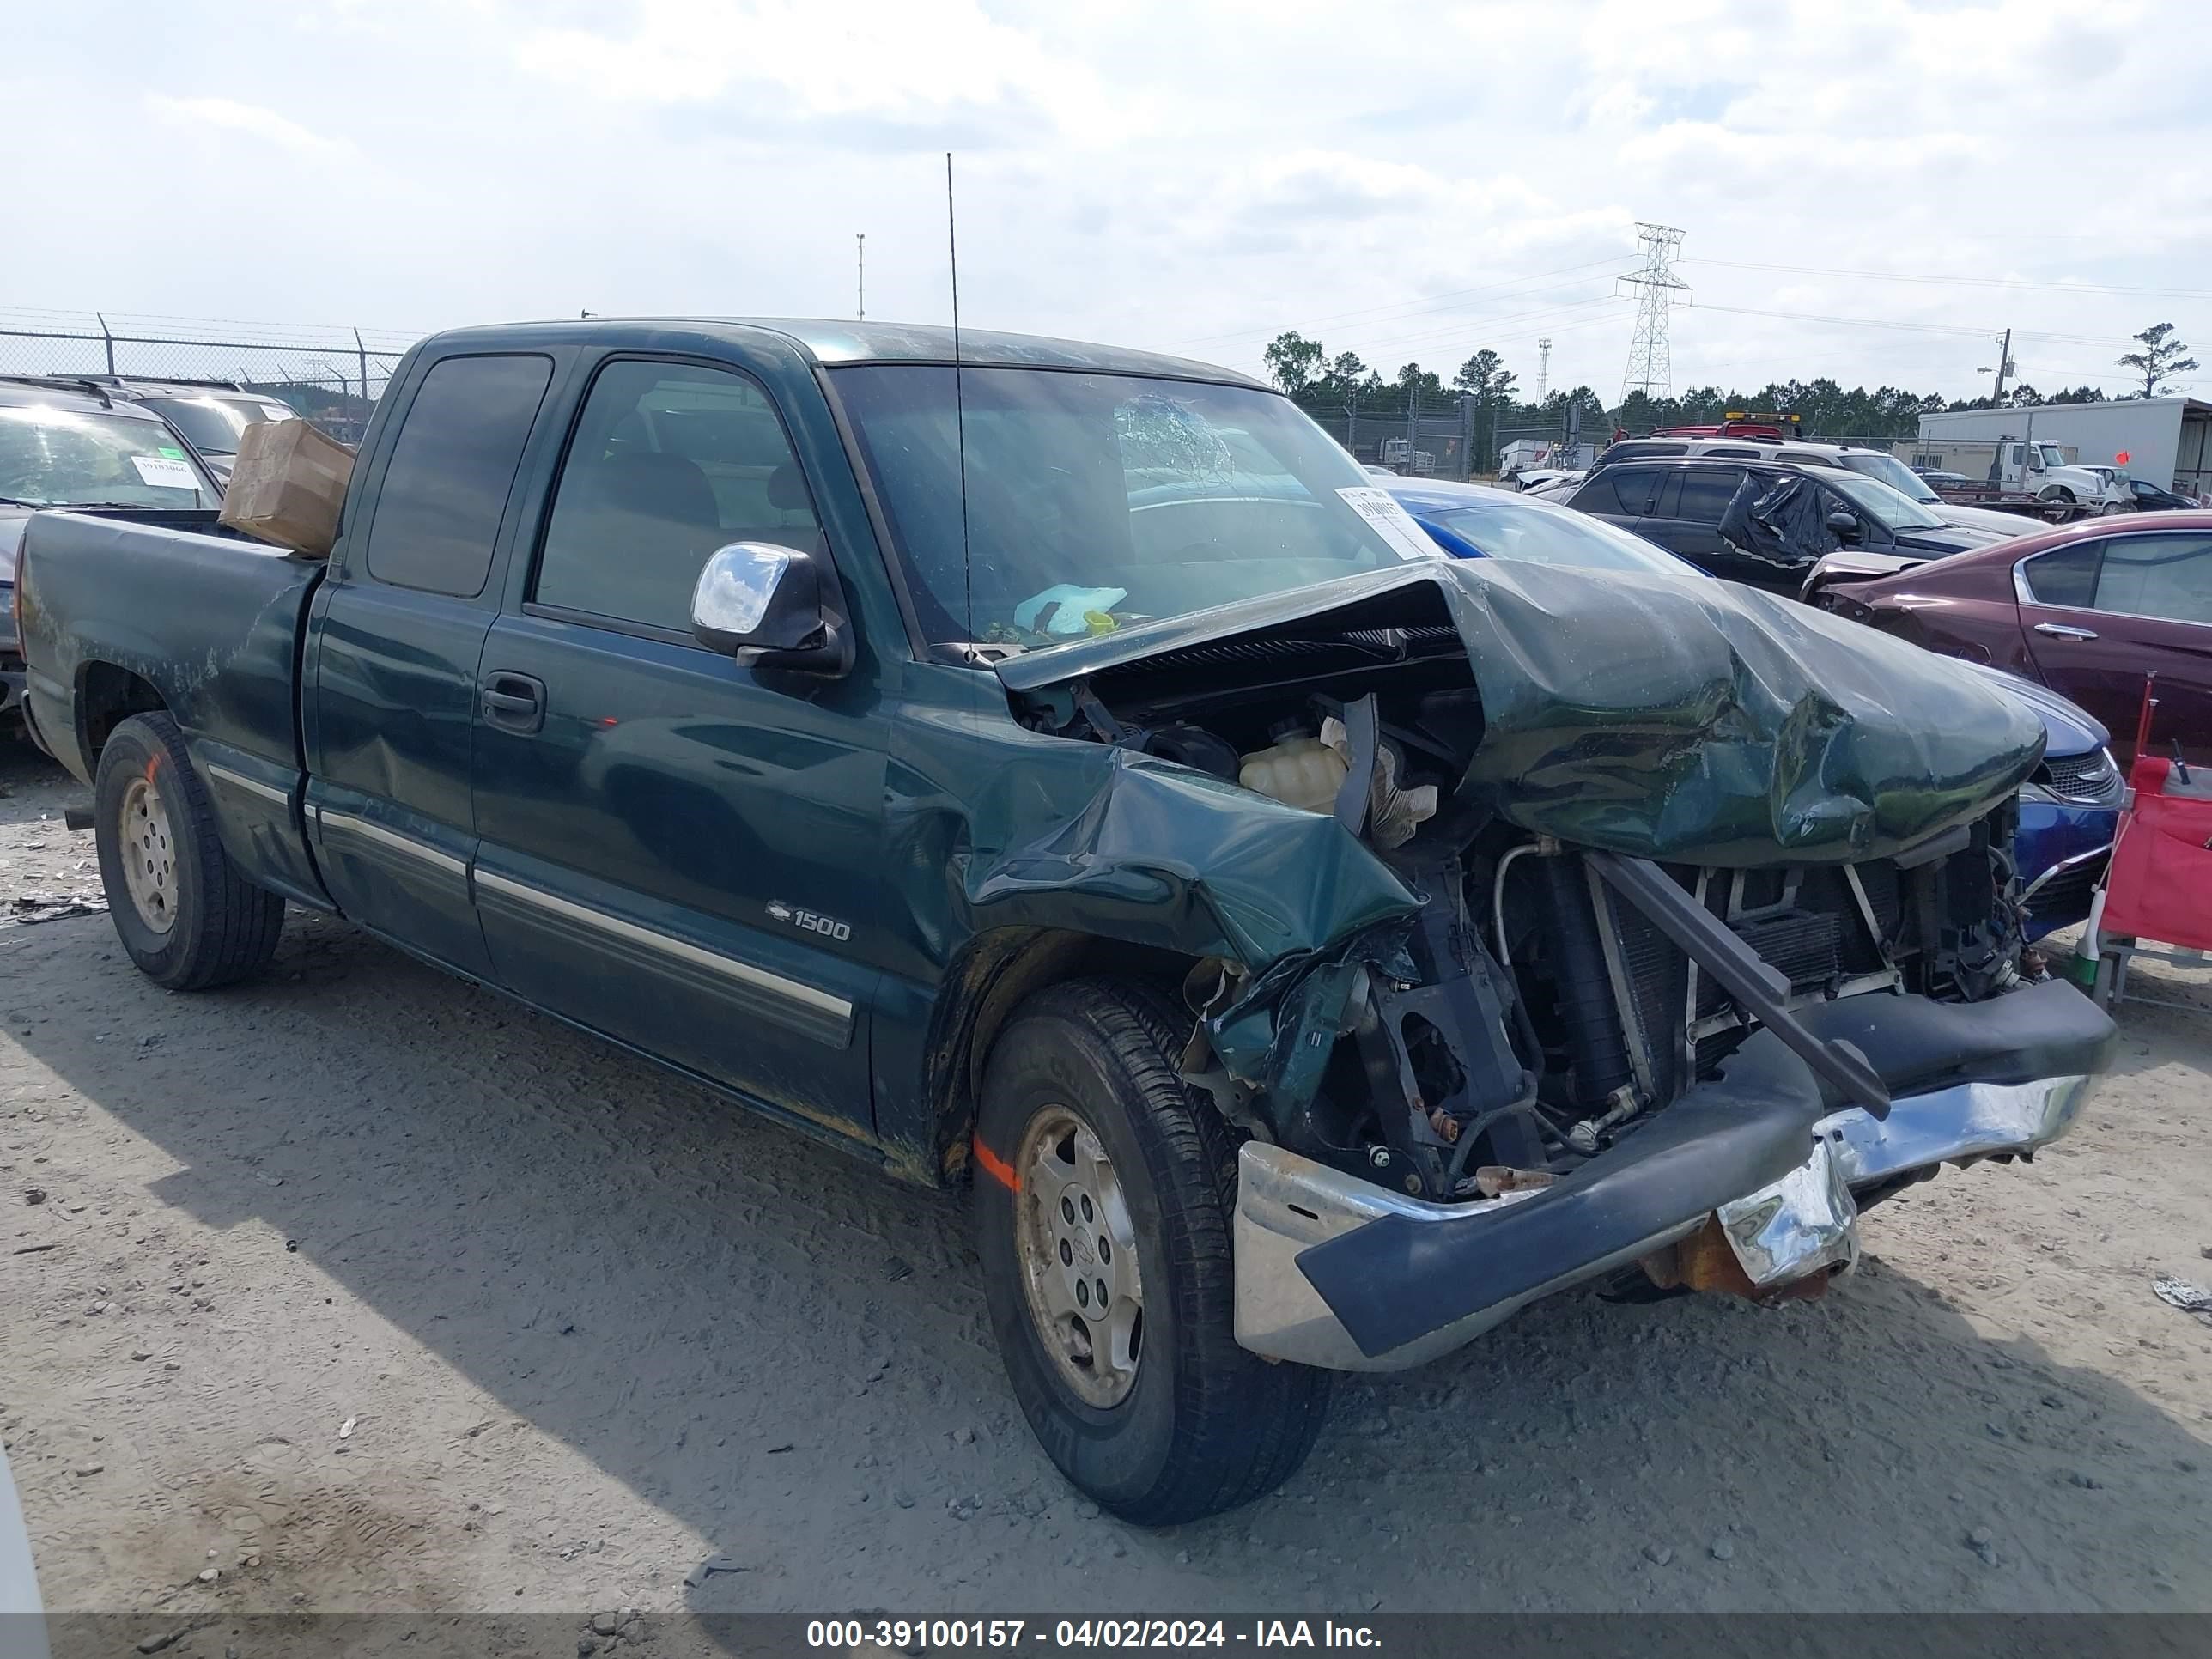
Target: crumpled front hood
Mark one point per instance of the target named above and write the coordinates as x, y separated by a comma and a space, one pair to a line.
1659, 717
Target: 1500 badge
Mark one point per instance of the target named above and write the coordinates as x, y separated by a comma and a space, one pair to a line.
810, 921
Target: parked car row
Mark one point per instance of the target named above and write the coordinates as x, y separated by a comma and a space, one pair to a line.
1766, 522
77, 445
2086, 609
209, 416
1876, 464
1062, 773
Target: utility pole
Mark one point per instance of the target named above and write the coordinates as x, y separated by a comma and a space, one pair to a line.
1648, 370
2004, 368
1543, 367
860, 253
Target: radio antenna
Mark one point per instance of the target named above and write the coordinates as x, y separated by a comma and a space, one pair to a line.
959, 402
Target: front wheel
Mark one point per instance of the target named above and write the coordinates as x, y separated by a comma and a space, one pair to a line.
185, 916
1104, 1191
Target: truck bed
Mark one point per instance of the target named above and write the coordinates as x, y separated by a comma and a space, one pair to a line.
127, 611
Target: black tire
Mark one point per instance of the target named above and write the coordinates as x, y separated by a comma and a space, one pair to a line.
1206, 1425
223, 927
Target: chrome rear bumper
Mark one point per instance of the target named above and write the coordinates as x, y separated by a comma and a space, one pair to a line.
1803, 1222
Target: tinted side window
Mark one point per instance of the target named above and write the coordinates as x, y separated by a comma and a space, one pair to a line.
670, 461
439, 507
1706, 492
2165, 576
1624, 490
2068, 576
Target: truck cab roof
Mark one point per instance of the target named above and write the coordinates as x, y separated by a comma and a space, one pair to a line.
831, 340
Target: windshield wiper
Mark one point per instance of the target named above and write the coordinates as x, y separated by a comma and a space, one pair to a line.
123, 507
17, 500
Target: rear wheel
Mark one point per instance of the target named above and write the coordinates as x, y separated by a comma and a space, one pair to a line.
187, 916
1104, 1193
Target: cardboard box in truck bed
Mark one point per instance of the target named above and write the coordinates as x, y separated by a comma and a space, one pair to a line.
287, 486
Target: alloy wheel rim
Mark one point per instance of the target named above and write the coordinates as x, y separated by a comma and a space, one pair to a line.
149, 859
1078, 1249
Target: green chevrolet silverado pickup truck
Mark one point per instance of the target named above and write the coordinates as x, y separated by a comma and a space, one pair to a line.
1056, 773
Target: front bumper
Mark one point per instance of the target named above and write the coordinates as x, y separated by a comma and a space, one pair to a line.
1334, 1271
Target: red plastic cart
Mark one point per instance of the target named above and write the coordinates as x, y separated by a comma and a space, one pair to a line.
2159, 883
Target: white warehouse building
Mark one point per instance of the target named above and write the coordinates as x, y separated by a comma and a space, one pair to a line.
2166, 441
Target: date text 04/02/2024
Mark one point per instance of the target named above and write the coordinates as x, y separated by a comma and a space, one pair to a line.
898, 1634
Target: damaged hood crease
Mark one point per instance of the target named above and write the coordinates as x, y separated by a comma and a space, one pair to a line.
1695, 722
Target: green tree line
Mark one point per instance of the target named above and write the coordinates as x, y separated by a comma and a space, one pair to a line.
1304, 369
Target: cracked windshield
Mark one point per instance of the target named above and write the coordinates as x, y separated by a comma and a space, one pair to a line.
1095, 502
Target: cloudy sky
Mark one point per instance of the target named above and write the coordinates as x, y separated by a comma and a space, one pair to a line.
1870, 191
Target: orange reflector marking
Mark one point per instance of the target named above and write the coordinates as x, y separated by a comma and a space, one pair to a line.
996, 1167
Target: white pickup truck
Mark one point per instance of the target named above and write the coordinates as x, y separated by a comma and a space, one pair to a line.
2042, 470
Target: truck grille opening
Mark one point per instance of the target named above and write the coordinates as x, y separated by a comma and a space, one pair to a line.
1815, 934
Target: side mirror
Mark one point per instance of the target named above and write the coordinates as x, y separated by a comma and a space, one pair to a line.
756, 596
1844, 526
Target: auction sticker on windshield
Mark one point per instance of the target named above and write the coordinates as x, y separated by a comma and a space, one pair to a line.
159, 473
1391, 522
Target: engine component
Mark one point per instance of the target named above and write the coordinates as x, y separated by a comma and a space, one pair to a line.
1589, 1135
1583, 987
1194, 746
1300, 770
1438, 1051
1393, 813
1494, 1180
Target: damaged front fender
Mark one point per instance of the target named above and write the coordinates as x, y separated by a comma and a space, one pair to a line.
1154, 854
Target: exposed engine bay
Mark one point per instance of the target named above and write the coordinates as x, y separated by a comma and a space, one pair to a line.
1549, 998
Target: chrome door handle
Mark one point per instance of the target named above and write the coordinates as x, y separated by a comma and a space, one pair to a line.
2062, 631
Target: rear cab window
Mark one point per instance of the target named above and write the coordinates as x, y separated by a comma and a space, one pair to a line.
445, 489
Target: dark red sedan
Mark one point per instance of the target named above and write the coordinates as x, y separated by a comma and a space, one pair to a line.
2088, 610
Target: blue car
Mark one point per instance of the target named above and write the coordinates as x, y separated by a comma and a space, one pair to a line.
1473, 521
2068, 810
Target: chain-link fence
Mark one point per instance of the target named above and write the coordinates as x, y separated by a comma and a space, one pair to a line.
1430, 441
330, 376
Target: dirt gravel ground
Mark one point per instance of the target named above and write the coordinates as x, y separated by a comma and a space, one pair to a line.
371, 1291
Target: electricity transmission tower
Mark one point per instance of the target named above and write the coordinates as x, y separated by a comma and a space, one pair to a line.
1649, 371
